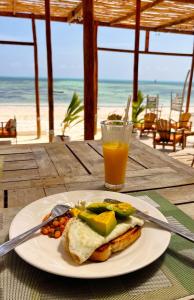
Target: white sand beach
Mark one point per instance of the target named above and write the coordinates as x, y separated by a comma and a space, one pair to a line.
26, 120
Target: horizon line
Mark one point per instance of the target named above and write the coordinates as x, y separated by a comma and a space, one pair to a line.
81, 79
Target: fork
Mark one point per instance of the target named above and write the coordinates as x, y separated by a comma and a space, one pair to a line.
57, 211
170, 227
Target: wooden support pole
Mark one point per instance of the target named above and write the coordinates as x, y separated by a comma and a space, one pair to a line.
136, 53
95, 75
190, 82
49, 70
147, 40
38, 126
90, 70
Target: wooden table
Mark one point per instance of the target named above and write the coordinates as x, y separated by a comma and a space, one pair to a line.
33, 171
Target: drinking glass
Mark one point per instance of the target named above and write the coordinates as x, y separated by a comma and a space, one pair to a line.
116, 138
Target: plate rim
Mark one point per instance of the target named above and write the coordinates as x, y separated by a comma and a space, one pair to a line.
118, 273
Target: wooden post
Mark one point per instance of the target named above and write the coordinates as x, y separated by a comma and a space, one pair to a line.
136, 53
96, 75
147, 39
38, 126
190, 83
49, 70
90, 69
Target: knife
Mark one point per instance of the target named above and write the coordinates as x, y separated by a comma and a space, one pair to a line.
170, 227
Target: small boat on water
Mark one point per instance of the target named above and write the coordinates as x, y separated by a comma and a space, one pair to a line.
58, 92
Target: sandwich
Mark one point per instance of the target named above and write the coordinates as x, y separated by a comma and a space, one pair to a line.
100, 229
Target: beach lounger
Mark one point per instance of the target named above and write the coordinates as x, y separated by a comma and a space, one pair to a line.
165, 135
148, 124
8, 129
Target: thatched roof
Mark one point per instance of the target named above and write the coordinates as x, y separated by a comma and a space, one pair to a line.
156, 15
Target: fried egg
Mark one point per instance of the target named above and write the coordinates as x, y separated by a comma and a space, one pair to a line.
81, 241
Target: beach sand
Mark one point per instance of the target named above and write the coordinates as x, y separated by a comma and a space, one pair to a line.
26, 121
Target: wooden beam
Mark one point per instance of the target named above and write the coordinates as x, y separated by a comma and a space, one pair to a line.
31, 16
136, 53
13, 5
105, 24
89, 40
146, 52
190, 83
17, 43
74, 13
176, 21
49, 70
147, 39
38, 126
185, 1
151, 29
133, 13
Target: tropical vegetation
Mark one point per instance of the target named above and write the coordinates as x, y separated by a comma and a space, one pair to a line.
72, 115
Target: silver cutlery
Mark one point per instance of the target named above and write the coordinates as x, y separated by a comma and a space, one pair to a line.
57, 211
170, 227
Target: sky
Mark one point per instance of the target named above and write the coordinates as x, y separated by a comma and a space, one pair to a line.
67, 43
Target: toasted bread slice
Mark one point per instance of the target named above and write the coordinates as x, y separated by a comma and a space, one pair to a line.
118, 244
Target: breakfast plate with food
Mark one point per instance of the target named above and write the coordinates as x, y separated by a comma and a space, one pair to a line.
94, 239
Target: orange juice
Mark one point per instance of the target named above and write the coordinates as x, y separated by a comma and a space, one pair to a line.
115, 161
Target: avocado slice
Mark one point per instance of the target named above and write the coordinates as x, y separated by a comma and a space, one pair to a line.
86, 216
122, 209
103, 223
98, 207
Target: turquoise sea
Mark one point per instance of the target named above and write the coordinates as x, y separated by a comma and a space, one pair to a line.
20, 91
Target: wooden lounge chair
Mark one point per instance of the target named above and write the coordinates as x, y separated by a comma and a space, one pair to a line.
149, 123
166, 136
152, 105
183, 122
176, 105
8, 129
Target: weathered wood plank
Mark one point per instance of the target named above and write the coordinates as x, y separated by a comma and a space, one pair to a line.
22, 197
92, 161
19, 184
14, 149
187, 209
44, 162
145, 159
136, 183
1, 198
65, 162
178, 194
19, 165
55, 190
165, 159
43, 182
19, 175
17, 156
131, 164
129, 174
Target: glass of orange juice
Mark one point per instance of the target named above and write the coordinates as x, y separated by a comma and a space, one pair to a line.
116, 138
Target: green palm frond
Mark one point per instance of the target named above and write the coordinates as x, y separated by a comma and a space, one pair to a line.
137, 107
73, 113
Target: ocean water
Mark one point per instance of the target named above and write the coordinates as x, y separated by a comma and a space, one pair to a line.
111, 93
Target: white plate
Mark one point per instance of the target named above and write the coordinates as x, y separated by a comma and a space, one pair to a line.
47, 254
